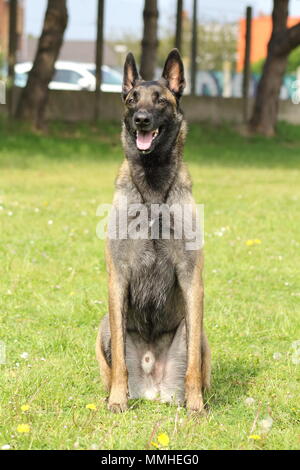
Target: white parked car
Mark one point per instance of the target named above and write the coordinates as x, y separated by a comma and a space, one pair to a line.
74, 76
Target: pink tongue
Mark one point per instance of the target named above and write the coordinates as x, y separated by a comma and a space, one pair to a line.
144, 140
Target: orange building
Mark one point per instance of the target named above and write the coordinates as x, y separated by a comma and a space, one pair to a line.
260, 35
4, 25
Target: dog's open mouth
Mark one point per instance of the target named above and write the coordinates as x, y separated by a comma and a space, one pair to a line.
144, 140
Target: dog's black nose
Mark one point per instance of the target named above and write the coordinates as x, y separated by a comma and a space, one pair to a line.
142, 119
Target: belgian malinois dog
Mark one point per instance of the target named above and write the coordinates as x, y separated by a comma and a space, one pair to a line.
152, 344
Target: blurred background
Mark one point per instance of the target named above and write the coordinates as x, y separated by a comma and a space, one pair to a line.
224, 47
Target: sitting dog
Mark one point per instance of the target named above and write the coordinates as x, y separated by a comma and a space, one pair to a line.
152, 344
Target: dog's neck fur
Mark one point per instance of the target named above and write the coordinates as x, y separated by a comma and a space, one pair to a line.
154, 174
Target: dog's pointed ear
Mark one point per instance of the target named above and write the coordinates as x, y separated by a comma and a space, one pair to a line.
131, 74
174, 73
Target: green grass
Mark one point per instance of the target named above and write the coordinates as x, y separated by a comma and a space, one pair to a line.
53, 291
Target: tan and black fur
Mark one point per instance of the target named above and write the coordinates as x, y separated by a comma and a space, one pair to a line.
152, 344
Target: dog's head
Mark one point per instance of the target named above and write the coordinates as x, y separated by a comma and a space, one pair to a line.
152, 114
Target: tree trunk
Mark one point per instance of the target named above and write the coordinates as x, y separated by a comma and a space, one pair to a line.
194, 47
178, 35
150, 41
12, 52
265, 112
282, 41
99, 56
34, 97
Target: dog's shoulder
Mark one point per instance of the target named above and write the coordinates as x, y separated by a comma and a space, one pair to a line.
124, 177
184, 179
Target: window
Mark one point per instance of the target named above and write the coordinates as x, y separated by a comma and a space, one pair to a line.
109, 78
66, 76
21, 79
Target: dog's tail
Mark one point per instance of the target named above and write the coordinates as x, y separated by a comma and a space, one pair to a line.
148, 361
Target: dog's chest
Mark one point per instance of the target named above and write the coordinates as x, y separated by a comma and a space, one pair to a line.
152, 285
152, 274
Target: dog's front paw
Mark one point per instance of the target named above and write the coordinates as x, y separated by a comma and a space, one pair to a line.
194, 403
193, 395
118, 407
117, 403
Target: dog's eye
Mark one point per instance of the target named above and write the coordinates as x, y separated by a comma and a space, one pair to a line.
131, 101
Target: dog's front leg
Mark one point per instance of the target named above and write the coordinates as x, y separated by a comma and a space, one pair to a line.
118, 397
193, 293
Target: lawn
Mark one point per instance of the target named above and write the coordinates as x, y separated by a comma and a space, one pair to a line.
53, 292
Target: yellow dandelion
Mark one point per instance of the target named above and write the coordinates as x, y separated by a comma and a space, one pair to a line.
255, 437
154, 444
163, 439
25, 407
91, 406
23, 428
253, 242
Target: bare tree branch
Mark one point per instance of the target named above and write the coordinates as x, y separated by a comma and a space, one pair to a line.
288, 40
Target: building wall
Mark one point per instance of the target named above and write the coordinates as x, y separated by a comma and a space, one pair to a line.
71, 50
75, 106
4, 25
260, 36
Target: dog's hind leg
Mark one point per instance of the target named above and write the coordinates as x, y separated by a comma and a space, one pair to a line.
103, 352
172, 385
139, 361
